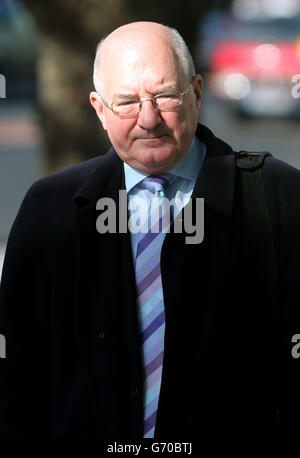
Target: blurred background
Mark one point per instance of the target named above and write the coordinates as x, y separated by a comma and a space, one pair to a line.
248, 52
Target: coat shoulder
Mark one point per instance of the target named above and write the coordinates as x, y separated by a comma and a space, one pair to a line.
49, 201
282, 178
281, 168
65, 181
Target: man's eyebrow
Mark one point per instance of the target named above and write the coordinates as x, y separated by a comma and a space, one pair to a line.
166, 89
160, 90
125, 96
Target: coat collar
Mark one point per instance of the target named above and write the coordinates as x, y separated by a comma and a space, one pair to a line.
215, 182
105, 180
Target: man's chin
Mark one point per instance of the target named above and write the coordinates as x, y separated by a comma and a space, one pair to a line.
154, 165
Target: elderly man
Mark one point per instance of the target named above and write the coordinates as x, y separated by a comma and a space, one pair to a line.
119, 334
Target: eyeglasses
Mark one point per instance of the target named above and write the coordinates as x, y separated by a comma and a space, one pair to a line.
165, 101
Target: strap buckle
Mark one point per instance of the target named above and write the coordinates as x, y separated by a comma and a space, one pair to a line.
251, 160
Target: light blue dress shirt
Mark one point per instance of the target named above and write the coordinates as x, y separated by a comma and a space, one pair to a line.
181, 187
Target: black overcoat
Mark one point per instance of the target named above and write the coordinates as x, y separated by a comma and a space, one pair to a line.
69, 316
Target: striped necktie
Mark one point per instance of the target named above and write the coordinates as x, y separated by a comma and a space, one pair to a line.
150, 300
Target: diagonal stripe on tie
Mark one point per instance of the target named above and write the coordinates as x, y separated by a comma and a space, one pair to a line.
154, 364
150, 421
162, 224
152, 292
152, 313
148, 279
156, 323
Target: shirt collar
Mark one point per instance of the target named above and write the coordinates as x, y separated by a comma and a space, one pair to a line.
188, 167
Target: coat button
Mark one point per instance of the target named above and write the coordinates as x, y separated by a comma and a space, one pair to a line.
135, 392
101, 335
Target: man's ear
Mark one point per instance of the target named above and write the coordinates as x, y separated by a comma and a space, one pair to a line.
198, 83
98, 106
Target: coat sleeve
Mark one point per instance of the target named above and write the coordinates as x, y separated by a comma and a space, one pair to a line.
289, 319
284, 198
25, 388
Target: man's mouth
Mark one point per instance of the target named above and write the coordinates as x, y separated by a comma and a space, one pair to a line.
154, 137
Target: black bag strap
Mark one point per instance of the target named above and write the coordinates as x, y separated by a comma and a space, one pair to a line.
257, 219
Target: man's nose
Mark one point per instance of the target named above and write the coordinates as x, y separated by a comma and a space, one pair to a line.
149, 116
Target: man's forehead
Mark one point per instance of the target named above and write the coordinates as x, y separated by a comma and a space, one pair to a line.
129, 77
123, 85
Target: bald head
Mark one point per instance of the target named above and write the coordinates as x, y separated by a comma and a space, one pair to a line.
143, 39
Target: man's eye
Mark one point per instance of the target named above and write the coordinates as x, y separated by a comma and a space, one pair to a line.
166, 101
126, 103
166, 96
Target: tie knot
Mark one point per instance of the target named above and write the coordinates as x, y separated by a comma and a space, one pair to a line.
156, 184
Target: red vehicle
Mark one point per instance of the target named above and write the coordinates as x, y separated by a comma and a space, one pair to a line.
253, 66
